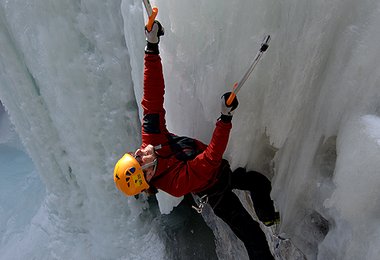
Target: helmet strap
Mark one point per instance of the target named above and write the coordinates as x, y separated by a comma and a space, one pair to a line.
148, 165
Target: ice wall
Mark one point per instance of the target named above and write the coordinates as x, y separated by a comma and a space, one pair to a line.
308, 117
316, 81
66, 82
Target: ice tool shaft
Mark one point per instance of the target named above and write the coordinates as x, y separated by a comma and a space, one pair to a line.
237, 86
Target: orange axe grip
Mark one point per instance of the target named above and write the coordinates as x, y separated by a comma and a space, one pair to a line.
232, 95
151, 19
231, 98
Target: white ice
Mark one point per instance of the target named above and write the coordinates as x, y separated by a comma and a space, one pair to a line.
309, 119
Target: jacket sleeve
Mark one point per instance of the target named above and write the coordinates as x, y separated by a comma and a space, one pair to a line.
154, 124
203, 169
213, 154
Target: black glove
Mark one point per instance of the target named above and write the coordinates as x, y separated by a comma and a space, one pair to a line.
153, 37
228, 111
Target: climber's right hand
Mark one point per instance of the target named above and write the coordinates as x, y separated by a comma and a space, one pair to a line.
227, 111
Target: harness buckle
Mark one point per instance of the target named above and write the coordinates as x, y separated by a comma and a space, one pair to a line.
201, 202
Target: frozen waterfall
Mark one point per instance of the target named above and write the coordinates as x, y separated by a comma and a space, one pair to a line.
309, 119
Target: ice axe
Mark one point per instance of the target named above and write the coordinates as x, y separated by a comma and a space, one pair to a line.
152, 13
237, 86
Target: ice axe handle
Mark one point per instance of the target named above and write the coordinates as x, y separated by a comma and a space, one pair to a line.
238, 85
265, 44
151, 19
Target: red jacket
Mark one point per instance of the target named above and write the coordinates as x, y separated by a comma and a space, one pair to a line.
174, 176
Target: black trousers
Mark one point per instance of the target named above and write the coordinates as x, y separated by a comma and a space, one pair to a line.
227, 206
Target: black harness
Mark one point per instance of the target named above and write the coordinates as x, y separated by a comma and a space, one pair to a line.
185, 149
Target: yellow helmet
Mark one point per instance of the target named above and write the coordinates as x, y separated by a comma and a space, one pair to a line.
128, 176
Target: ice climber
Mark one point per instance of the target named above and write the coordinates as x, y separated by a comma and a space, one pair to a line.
182, 165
